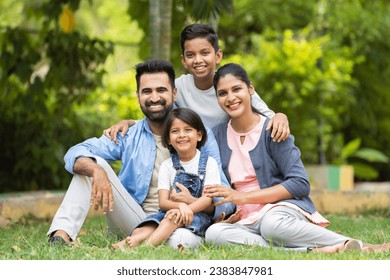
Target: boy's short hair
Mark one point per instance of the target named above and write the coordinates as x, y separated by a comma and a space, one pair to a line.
198, 30
155, 66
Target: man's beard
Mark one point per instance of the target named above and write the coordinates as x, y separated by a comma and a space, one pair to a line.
157, 116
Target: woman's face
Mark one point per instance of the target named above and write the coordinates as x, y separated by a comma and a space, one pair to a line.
234, 96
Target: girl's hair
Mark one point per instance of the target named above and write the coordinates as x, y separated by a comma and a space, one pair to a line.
188, 116
237, 71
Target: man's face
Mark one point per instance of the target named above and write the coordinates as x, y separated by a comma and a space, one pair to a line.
156, 96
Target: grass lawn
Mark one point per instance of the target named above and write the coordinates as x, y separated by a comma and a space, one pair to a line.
25, 254
26, 240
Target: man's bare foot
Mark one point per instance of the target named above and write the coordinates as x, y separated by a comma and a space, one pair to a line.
60, 237
63, 234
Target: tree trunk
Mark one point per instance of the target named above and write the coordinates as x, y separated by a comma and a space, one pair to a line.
166, 27
155, 28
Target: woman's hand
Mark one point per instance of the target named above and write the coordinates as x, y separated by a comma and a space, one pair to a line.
280, 127
228, 194
233, 218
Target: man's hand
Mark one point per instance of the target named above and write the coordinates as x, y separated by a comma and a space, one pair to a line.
112, 131
183, 196
101, 192
280, 127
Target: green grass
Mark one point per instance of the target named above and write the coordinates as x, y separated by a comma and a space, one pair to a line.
26, 240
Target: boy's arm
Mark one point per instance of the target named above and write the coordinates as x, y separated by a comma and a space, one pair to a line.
278, 122
261, 106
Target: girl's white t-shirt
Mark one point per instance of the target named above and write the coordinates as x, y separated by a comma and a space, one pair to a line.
167, 172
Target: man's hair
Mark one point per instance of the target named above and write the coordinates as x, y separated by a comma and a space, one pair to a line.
188, 116
198, 30
155, 66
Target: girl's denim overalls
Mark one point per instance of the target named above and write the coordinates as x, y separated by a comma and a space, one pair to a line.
194, 183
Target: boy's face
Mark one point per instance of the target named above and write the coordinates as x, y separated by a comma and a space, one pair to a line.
200, 58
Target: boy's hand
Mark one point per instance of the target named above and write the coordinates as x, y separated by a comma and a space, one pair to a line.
112, 131
280, 127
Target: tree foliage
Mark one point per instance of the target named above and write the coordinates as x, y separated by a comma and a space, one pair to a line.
324, 63
44, 71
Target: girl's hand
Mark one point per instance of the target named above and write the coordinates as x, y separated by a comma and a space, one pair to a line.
174, 215
228, 194
186, 214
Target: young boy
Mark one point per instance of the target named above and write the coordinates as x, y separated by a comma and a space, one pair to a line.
200, 56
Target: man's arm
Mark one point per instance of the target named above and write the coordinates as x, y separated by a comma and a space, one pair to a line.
80, 159
101, 193
101, 147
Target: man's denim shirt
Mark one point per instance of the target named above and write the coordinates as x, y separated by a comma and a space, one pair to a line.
137, 151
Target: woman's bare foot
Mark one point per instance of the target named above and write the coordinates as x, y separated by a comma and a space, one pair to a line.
376, 248
352, 245
349, 245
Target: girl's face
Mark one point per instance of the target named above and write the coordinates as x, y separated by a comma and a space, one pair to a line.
184, 138
234, 96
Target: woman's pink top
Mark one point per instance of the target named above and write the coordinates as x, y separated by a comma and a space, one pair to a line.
244, 178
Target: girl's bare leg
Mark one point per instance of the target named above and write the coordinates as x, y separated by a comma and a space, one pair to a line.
162, 233
136, 238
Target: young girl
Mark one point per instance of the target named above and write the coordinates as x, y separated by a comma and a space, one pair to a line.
184, 134
271, 185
